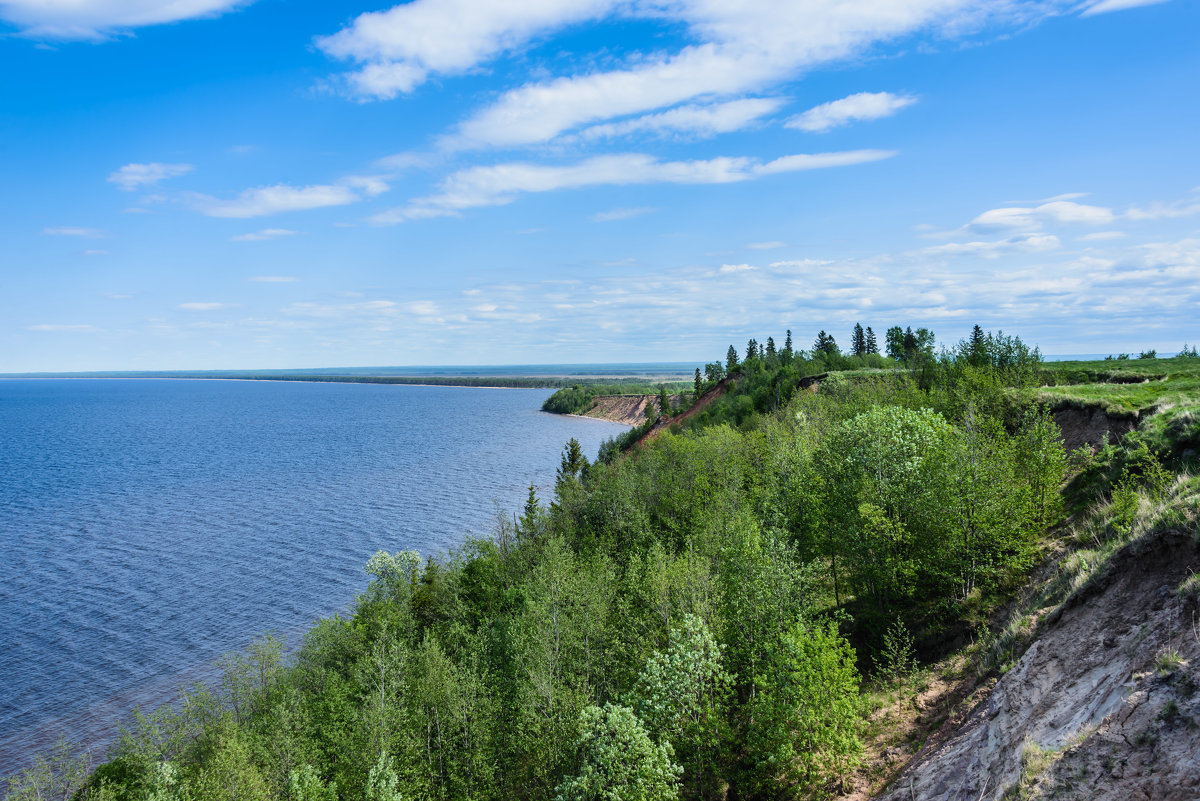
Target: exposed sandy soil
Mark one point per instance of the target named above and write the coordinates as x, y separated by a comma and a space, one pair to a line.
1103, 704
627, 409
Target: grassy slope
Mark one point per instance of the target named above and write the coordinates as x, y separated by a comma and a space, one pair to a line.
1136, 385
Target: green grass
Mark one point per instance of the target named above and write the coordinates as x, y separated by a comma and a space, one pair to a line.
1124, 387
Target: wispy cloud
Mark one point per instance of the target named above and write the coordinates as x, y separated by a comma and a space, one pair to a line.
98, 19
622, 214
70, 230
855, 108
70, 328
502, 183
139, 176
273, 279
739, 49
1035, 217
266, 200
766, 245
692, 120
398, 49
263, 235
1027, 243
1106, 6
203, 306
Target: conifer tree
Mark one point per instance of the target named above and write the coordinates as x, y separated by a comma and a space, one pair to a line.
977, 352
770, 347
787, 344
858, 340
574, 463
698, 383
872, 345
664, 401
731, 360
825, 343
752, 349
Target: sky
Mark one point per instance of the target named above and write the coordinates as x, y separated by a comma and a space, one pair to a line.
238, 184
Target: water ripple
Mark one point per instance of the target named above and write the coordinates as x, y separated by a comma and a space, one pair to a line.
148, 526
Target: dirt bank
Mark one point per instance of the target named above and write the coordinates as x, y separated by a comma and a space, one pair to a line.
627, 409
1103, 705
1088, 426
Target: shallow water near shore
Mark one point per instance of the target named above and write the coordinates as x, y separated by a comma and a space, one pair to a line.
148, 526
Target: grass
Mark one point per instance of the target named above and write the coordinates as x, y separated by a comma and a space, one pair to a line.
1124, 387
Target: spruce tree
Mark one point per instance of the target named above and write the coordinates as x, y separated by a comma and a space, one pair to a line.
731, 360
872, 345
698, 383
664, 401
787, 343
752, 349
977, 349
858, 340
910, 343
770, 347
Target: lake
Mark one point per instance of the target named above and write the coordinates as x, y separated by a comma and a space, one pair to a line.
148, 526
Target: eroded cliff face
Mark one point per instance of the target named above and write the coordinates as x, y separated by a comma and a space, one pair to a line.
1104, 705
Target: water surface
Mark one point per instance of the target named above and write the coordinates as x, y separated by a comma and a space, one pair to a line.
148, 526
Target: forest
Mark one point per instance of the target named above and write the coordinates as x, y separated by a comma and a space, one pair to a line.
702, 616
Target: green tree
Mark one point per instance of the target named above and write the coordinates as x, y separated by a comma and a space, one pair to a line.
731, 360
382, 782
619, 760
664, 401
679, 696
305, 785
771, 347
787, 345
805, 714
825, 344
573, 465
858, 340
895, 342
871, 345
697, 385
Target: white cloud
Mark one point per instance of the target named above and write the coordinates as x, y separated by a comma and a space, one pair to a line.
766, 245
1105, 6
96, 19
265, 200
273, 279
68, 328
622, 214
1034, 218
861, 106
399, 48
202, 306
138, 176
263, 235
1164, 211
1027, 243
502, 183
70, 230
1100, 236
695, 120
741, 47
736, 268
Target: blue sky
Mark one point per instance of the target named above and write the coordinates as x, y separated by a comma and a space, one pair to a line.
215, 184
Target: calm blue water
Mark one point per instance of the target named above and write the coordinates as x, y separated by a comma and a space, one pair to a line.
148, 526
